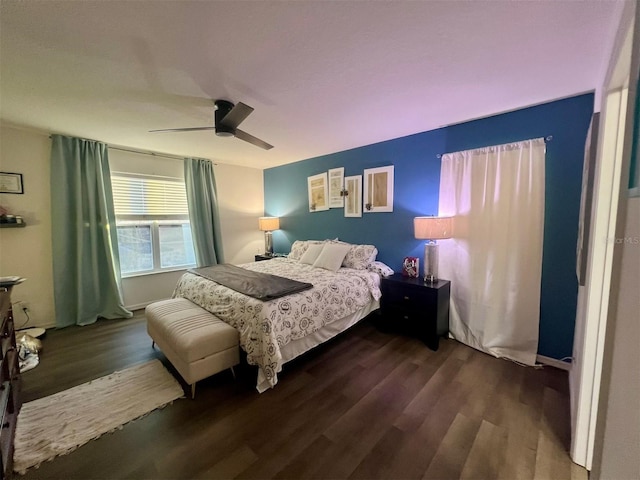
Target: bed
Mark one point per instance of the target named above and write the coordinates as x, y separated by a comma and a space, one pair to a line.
276, 331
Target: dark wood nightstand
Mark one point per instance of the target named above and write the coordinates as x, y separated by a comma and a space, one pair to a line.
412, 306
262, 257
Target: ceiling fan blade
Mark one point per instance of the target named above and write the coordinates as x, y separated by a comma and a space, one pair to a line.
252, 140
237, 115
192, 129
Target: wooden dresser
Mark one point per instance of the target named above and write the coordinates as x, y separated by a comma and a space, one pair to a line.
9, 384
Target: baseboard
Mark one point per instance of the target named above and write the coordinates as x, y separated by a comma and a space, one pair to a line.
553, 362
140, 306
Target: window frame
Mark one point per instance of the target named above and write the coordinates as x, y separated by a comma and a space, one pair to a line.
154, 222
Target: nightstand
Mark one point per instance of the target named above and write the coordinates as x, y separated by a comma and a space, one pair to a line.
262, 257
411, 306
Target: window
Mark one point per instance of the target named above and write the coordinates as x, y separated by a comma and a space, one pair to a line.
152, 220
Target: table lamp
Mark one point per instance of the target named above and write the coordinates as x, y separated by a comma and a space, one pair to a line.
432, 229
267, 225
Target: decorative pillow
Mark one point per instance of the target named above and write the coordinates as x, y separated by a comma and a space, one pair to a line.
300, 246
331, 256
311, 254
360, 256
380, 268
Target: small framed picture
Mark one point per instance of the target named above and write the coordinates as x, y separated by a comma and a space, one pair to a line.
353, 200
336, 187
11, 183
318, 192
378, 189
411, 267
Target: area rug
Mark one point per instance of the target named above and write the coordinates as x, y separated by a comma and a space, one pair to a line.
60, 423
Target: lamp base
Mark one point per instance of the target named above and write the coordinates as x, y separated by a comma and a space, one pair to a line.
268, 244
430, 262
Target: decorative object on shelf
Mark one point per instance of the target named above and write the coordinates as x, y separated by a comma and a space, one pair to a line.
13, 220
353, 194
378, 189
8, 220
267, 225
410, 267
336, 187
432, 229
318, 192
11, 183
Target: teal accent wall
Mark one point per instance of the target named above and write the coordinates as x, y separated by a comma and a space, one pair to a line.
417, 177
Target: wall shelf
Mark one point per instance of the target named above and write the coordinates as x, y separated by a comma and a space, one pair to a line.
13, 225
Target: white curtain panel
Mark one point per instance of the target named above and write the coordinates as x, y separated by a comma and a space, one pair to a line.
494, 261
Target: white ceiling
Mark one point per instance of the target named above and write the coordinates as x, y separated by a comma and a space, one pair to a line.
322, 76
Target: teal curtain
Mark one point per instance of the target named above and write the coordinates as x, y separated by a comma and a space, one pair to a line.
203, 211
86, 269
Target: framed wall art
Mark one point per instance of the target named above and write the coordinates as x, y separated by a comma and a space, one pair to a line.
11, 183
336, 185
318, 192
353, 196
378, 190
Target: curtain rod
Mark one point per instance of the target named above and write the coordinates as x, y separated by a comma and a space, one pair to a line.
153, 154
547, 139
143, 152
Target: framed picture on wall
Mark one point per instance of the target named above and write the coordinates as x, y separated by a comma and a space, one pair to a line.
11, 183
318, 192
336, 185
353, 196
378, 190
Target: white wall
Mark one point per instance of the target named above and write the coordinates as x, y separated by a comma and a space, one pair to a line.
27, 251
241, 202
620, 454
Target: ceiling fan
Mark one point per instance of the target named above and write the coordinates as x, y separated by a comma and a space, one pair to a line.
227, 117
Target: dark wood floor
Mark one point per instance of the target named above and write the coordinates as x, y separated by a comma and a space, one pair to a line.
366, 405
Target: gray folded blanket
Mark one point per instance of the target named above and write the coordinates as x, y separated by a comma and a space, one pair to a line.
262, 286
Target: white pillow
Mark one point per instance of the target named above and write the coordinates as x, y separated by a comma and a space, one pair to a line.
360, 256
300, 246
380, 268
331, 256
311, 254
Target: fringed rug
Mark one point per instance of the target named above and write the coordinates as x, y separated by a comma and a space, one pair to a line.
60, 423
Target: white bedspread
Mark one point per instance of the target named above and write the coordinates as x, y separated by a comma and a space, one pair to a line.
265, 327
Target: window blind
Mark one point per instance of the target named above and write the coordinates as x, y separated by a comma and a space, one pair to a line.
149, 196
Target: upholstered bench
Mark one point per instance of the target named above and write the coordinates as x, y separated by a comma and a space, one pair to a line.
197, 343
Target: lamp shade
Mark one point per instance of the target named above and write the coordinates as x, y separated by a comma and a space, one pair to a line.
267, 224
432, 228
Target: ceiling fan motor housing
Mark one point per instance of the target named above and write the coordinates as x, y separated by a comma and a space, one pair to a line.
223, 107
